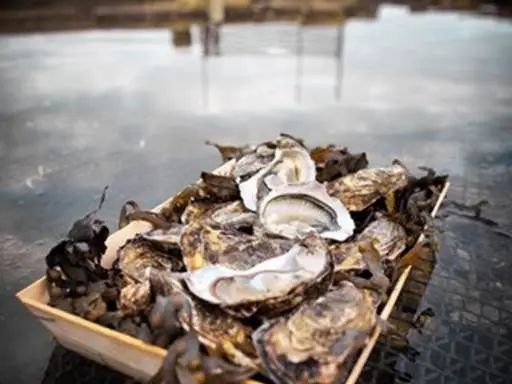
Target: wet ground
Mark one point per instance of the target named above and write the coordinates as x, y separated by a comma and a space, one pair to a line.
83, 110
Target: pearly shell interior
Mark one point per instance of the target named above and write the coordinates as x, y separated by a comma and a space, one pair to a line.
271, 278
294, 210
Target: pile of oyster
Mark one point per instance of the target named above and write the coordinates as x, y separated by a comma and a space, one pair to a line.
273, 270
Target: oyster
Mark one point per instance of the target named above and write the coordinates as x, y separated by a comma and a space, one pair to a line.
134, 297
176, 306
289, 166
211, 188
359, 190
317, 343
352, 260
381, 243
272, 286
253, 162
391, 238
225, 236
158, 249
295, 210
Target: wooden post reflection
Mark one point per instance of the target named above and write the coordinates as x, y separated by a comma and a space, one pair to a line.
339, 60
205, 81
300, 63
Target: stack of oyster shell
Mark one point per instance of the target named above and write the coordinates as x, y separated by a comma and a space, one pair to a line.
274, 269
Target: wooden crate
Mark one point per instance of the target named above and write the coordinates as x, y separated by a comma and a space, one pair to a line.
130, 355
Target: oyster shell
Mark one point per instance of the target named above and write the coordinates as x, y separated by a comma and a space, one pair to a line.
315, 344
391, 238
134, 298
158, 249
359, 190
289, 166
272, 286
216, 328
253, 162
225, 236
294, 210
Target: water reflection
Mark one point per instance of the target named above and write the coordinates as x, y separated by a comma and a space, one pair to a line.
124, 108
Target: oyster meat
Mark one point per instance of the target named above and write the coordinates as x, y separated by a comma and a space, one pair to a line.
317, 343
295, 210
270, 287
359, 190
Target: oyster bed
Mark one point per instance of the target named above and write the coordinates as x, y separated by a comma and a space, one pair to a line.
275, 271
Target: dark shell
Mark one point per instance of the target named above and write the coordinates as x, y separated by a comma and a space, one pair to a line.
315, 343
204, 244
223, 236
359, 190
135, 298
139, 253
215, 327
391, 237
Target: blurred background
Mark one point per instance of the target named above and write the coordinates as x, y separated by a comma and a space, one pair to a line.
125, 92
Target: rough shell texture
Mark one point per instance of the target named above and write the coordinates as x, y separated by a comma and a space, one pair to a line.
222, 238
314, 344
270, 287
297, 209
347, 257
291, 164
251, 163
359, 190
214, 326
391, 238
139, 253
135, 297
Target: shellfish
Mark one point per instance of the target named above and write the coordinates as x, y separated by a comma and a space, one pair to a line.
294, 210
289, 166
359, 190
272, 286
391, 238
177, 307
226, 235
158, 249
316, 343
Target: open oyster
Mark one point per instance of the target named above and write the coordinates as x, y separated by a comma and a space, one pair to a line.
317, 343
359, 190
270, 287
253, 162
224, 235
291, 163
295, 210
175, 306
